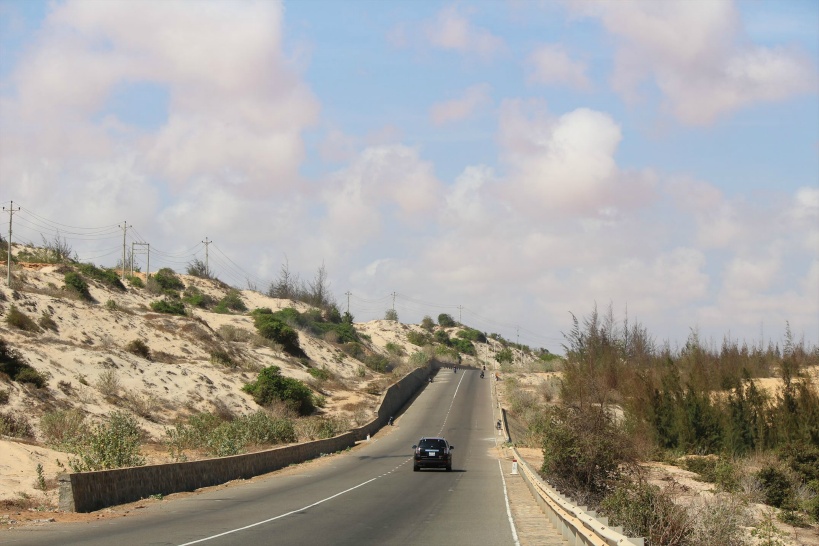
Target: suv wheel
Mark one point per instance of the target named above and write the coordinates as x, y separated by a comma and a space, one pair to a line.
415, 468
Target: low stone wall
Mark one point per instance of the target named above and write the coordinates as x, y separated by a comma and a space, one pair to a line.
89, 491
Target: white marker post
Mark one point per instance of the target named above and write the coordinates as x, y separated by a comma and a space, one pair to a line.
514, 466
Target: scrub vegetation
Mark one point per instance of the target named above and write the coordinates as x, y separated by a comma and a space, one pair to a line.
624, 399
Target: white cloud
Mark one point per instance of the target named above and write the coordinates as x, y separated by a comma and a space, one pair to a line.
550, 64
696, 55
461, 108
452, 30
236, 108
567, 164
465, 201
387, 183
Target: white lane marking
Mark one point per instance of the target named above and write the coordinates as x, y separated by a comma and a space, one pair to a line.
341, 493
508, 509
458, 386
277, 517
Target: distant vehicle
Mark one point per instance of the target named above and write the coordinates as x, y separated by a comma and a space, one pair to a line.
432, 453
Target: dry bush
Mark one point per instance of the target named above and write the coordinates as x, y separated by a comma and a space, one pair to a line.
15, 425
359, 410
141, 404
139, 348
63, 428
550, 389
221, 410
108, 383
317, 428
232, 333
47, 322
718, 520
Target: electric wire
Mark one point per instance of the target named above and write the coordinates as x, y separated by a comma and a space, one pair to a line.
31, 223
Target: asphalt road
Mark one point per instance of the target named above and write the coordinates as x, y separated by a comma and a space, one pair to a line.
369, 495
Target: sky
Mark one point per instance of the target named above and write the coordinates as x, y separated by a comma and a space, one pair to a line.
509, 162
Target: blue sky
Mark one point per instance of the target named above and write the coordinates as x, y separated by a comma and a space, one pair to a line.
523, 160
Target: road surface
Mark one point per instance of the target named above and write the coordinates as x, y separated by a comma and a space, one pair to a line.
369, 495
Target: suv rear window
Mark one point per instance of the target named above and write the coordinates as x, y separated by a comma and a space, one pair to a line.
432, 444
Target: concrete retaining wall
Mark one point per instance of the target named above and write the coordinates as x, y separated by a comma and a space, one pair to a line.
89, 491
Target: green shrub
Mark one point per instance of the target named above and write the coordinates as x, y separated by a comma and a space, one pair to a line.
270, 327
168, 306
427, 323
15, 366
166, 282
419, 359
395, 349
776, 487
418, 338
196, 298
139, 348
391, 314
504, 355
231, 302
443, 338
198, 268
135, 281
583, 450
20, 320
447, 354
109, 277
322, 374
446, 320
77, 284
472, 335
463, 346
32, 376
113, 444
705, 466
271, 385
377, 362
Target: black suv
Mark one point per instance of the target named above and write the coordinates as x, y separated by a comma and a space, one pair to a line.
432, 452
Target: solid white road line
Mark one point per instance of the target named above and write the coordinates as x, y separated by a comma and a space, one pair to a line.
508, 508
277, 517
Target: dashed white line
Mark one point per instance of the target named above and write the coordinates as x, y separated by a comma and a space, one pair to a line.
458, 386
205, 539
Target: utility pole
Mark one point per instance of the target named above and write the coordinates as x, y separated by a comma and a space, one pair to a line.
393, 301
460, 308
517, 340
207, 269
147, 251
124, 227
8, 249
348, 294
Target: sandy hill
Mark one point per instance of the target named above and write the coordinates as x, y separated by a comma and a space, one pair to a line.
85, 350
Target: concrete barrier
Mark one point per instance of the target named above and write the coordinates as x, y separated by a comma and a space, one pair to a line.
89, 491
